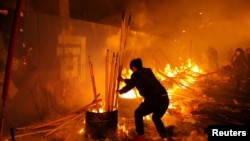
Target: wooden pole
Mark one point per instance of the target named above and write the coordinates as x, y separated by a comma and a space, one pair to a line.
114, 82
57, 121
122, 55
121, 46
122, 50
107, 81
176, 82
8, 68
32, 133
111, 82
93, 82
60, 123
64, 124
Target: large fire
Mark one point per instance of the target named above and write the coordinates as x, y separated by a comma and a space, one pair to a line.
181, 78
184, 75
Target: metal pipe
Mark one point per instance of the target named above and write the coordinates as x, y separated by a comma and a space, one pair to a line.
8, 67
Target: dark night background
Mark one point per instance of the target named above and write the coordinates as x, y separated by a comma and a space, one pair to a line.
148, 16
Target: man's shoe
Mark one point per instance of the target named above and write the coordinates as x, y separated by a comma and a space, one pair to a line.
166, 137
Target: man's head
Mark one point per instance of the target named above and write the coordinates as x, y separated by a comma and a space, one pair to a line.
135, 63
238, 51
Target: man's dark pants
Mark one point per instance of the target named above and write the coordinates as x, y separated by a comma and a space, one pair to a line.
157, 106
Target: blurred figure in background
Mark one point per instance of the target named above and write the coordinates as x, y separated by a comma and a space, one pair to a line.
239, 67
212, 56
248, 61
248, 64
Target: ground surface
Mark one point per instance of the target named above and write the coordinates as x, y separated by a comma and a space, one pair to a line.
209, 101
214, 101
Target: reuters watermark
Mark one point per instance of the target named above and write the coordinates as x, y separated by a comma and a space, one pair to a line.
226, 132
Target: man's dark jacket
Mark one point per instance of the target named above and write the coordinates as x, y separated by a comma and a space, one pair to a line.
147, 84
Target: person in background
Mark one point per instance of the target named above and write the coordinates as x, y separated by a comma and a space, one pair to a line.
239, 66
212, 56
248, 64
156, 100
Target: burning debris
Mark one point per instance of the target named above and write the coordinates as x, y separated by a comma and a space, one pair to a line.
187, 118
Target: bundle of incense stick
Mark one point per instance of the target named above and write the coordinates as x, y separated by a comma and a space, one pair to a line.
110, 80
93, 82
123, 41
113, 70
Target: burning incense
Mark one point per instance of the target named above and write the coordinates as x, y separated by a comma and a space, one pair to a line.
93, 82
114, 81
121, 51
111, 81
123, 30
107, 80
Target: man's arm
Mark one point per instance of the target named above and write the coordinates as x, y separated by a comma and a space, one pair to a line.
129, 85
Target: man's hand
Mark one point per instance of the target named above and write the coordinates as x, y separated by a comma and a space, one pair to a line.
120, 79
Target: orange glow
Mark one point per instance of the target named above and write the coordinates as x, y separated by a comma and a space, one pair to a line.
100, 110
122, 128
132, 94
190, 69
182, 78
81, 131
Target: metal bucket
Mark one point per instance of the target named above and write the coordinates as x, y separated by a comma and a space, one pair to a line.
101, 125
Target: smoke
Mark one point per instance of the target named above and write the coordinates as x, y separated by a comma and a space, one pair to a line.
223, 24
172, 15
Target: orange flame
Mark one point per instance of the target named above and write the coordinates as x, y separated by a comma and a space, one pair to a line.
190, 71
